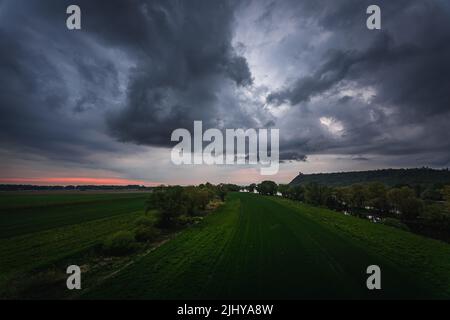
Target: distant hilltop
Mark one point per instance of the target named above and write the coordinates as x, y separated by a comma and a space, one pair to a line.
390, 177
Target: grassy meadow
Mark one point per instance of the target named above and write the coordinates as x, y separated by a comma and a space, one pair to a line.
252, 247
39, 230
260, 247
25, 213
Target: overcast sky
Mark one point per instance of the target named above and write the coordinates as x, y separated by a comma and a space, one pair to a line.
98, 105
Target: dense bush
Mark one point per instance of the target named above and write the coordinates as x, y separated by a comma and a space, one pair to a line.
267, 188
405, 202
176, 201
170, 202
145, 233
292, 192
435, 215
188, 220
144, 221
446, 195
317, 194
197, 199
120, 243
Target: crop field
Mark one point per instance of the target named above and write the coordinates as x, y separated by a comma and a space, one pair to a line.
27, 213
263, 247
38, 230
252, 247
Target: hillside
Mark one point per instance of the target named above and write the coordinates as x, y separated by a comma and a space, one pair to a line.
390, 177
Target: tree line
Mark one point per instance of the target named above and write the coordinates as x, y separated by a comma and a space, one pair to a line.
179, 205
390, 177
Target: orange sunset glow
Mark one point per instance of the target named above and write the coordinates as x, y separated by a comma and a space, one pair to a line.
76, 180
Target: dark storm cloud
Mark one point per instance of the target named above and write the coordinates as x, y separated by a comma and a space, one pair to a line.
348, 65
413, 76
48, 77
188, 68
183, 64
292, 156
62, 90
140, 69
406, 64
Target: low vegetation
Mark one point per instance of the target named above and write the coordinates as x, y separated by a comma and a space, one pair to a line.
120, 243
145, 233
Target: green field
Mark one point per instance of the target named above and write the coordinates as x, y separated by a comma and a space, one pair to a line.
252, 247
258, 247
27, 213
38, 230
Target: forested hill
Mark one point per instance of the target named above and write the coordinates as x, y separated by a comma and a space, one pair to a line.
391, 177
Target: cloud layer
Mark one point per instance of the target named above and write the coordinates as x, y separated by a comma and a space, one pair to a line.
98, 99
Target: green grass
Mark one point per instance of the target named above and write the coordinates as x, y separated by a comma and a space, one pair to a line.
252, 247
10, 200
50, 228
35, 250
22, 214
183, 265
259, 247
